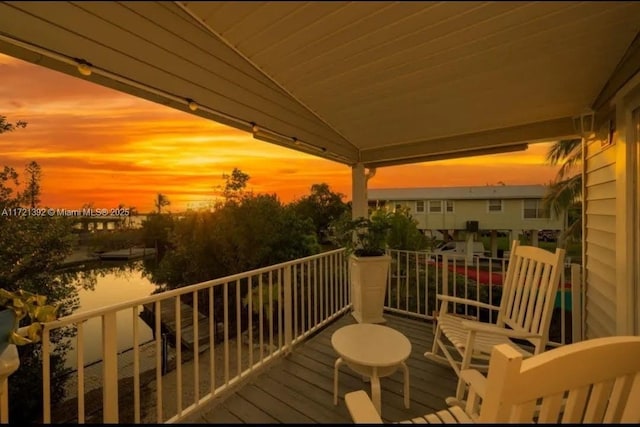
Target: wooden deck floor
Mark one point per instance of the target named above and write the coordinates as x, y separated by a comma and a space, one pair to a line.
299, 387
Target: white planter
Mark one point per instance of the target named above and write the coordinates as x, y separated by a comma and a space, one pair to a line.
368, 287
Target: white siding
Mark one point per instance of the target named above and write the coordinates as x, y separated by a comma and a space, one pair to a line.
511, 217
600, 240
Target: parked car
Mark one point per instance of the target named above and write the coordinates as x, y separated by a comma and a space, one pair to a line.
548, 235
458, 248
544, 235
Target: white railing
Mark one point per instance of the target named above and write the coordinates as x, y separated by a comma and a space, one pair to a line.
227, 328
416, 277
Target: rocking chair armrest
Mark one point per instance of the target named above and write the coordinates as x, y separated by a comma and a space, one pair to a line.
361, 408
490, 328
475, 380
459, 300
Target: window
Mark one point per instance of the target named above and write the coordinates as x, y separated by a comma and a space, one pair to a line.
420, 206
533, 209
494, 205
435, 206
449, 206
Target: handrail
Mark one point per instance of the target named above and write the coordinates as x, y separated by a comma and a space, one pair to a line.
73, 318
296, 298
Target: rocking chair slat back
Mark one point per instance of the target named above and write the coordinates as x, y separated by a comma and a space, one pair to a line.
592, 381
530, 289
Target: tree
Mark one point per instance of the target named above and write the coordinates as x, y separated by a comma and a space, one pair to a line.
5, 126
32, 249
565, 191
32, 192
322, 206
161, 201
156, 230
404, 233
128, 220
234, 185
9, 198
237, 237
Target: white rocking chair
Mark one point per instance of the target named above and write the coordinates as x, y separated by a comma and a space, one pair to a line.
528, 295
594, 381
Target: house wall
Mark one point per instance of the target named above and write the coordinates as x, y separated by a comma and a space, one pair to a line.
611, 221
600, 238
511, 217
627, 102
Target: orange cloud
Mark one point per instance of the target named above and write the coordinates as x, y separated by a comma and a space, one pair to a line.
96, 145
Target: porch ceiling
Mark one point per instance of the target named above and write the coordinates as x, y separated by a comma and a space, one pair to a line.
378, 82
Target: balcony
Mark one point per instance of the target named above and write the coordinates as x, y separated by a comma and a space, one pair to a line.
255, 347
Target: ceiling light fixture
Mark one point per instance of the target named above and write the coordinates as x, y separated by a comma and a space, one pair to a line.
84, 68
193, 105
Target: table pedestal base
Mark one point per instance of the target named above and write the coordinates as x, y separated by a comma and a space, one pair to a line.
374, 374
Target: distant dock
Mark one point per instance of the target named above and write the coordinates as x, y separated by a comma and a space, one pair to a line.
127, 254
82, 256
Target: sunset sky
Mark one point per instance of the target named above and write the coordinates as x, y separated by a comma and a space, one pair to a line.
100, 146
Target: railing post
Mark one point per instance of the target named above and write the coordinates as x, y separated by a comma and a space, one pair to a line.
576, 303
4, 400
9, 363
109, 368
288, 311
445, 282
445, 275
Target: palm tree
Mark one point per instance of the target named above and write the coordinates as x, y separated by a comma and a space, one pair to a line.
565, 191
161, 201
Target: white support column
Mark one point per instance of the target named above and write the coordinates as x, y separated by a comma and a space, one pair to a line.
493, 243
359, 192
469, 247
534, 238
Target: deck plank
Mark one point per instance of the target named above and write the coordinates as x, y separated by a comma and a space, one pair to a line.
219, 415
320, 399
299, 387
300, 401
246, 411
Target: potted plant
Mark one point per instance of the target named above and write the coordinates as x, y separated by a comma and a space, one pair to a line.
15, 306
365, 240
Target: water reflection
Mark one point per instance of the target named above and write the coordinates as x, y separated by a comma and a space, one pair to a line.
103, 284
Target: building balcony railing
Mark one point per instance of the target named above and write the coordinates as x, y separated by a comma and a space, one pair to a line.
416, 277
210, 337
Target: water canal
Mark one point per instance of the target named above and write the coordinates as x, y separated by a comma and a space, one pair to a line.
105, 283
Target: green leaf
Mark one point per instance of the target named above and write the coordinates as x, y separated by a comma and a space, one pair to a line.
46, 313
34, 332
17, 339
41, 300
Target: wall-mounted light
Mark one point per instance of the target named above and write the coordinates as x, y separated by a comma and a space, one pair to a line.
193, 105
84, 68
584, 123
605, 133
254, 128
